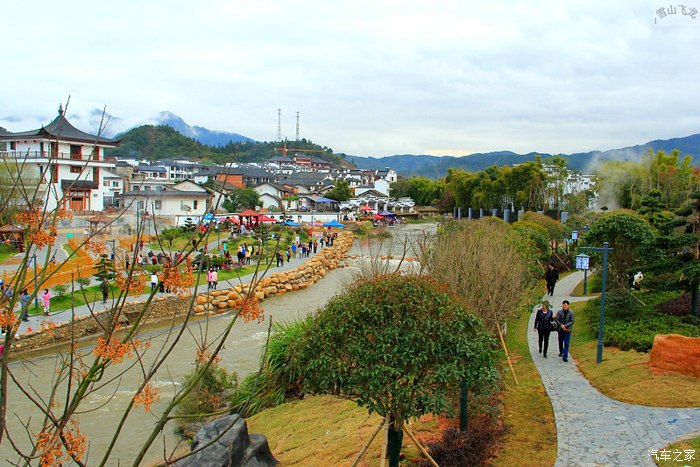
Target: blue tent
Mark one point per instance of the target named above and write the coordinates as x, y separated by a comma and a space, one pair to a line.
291, 223
325, 200
334, 223
387, 213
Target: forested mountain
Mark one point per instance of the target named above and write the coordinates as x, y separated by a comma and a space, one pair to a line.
198, 133
436, 167
151, 142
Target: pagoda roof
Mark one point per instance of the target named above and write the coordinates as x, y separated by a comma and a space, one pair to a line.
61, 129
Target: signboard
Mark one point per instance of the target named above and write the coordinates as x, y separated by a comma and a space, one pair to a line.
69, 235
574, 235
582, 262
209, 216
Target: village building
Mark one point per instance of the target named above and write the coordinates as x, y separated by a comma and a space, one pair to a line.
68, 164
172, 204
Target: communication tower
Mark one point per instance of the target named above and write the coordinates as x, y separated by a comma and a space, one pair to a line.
297, 125
279, 124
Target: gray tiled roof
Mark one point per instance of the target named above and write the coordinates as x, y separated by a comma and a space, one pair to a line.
76, 185
61, 129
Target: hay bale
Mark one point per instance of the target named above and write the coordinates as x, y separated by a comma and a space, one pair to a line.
676, 353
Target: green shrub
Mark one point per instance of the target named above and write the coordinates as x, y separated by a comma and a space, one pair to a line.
620, 303
636, 326
278, 378
7, 248
83, 282
661, 282
60, 290
206, 397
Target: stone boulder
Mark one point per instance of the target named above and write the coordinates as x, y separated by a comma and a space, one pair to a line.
234, 446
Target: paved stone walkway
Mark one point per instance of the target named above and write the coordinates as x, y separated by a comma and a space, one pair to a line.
592, 429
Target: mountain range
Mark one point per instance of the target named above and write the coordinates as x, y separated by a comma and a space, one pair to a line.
198, 133
436, 167
404, 164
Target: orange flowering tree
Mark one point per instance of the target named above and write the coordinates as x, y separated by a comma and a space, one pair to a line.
84, 368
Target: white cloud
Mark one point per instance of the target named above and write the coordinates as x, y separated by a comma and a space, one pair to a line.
369, 78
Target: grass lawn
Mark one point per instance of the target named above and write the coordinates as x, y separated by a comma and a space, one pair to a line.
5, 256
578, 290
531, 438
690, 444
80, 297
326, 430
624, 375
182, 242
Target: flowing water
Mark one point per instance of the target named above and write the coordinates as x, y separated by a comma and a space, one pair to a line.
103, 410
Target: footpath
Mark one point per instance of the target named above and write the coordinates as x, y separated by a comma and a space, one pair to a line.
592, 429
60, 317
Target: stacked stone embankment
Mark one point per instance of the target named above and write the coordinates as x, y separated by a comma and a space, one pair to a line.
306, 274
177, 306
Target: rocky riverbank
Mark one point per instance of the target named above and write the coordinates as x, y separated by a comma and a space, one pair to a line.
177, 306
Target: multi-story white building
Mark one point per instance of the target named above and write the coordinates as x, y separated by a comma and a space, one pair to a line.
68, 164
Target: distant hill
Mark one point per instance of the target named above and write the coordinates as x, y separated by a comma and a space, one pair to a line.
154, 142
436, 167
198, 133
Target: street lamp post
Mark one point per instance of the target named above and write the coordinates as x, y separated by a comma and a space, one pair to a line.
605, 249
36, 292
113, 241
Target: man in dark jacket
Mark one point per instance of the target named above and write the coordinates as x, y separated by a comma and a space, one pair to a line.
565, 317
105, 290
551, 276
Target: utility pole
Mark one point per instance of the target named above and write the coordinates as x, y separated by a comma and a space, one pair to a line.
279, 124
297, 125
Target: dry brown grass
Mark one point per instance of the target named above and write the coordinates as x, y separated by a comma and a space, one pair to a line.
531, 438
326, 430
624, 376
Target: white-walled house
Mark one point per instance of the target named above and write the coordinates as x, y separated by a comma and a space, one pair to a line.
174, 202
68, 164
112, 189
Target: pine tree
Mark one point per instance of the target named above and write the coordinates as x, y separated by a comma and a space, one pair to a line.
105, 269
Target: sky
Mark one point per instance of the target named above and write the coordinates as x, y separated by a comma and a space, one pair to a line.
368, 78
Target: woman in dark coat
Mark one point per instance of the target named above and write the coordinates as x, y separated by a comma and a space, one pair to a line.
543, 327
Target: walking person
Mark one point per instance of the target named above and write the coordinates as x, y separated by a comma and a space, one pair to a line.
24, 305
46, 297
105, 290
551, 276
565, 318
154, 281
209, 271
214, 278
543, 327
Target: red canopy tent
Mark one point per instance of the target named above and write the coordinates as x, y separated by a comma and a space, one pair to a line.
378, 216
253, 218
264, 218
366, 208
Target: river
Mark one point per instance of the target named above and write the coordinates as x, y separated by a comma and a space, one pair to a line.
103, 410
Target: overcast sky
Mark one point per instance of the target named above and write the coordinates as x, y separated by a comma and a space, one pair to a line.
369, 78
